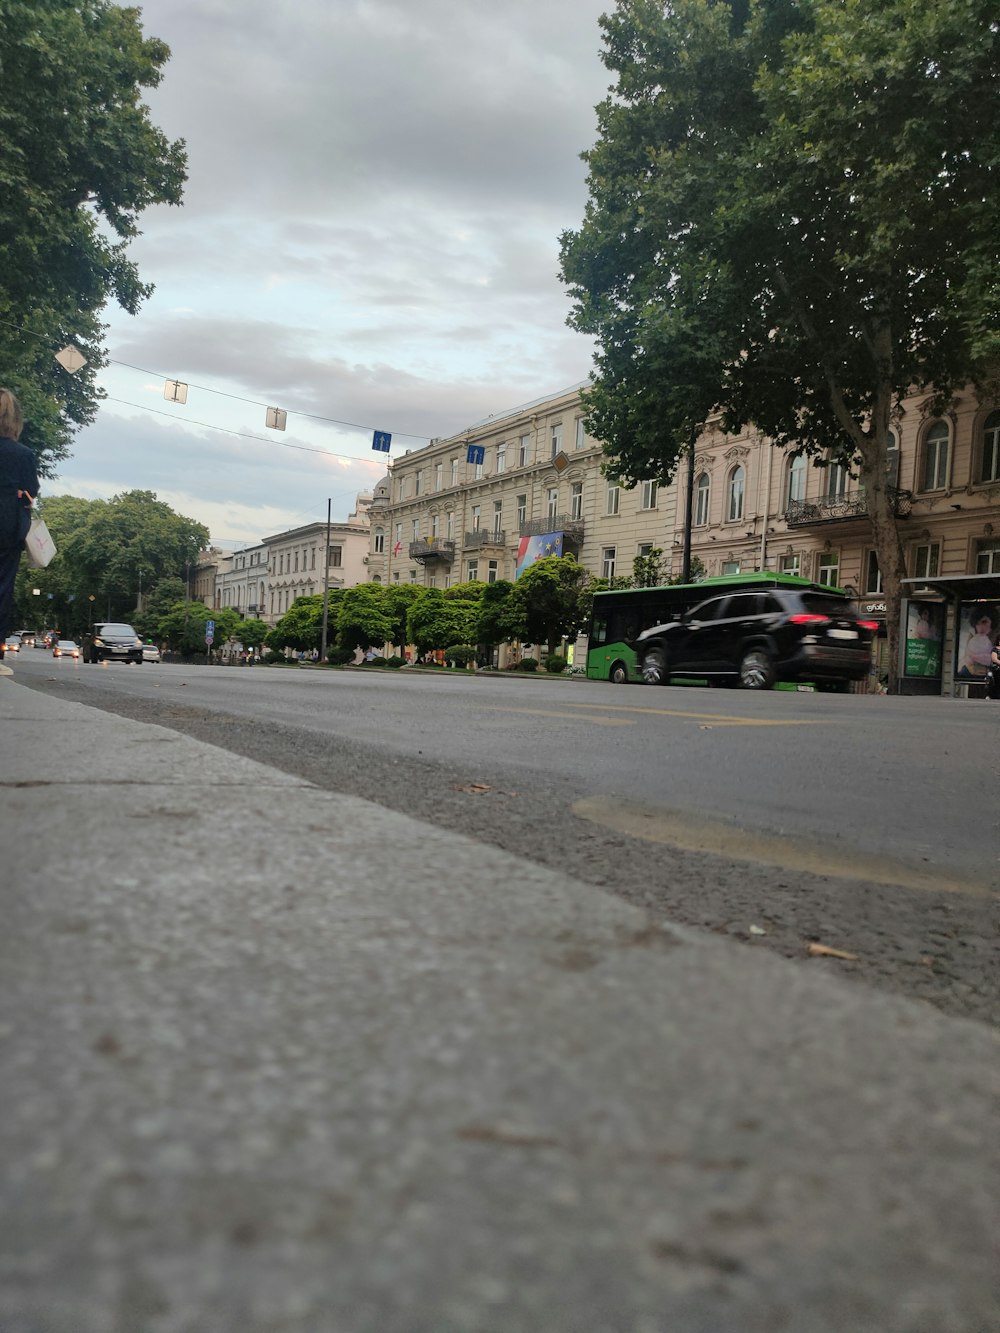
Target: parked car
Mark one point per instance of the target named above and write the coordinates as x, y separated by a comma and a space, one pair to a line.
111, 641
755, 638
65, 648
150, 652
12, 643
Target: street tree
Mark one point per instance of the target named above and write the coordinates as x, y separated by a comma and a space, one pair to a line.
792, 224
252, 633
365, 618
301, 627
184, 625
128, 543
492, 624
437, 621
397, 598
649, 570
156, 603
81, 161
548, 602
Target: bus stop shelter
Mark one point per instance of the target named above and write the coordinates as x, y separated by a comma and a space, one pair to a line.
948, 625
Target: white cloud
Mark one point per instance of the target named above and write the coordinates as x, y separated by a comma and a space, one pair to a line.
369, 234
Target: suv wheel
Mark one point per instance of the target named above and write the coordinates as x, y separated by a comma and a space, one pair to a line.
654, 667
756, 670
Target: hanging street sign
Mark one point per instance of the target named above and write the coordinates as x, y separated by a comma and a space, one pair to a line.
476, 454
381, 441
71, 358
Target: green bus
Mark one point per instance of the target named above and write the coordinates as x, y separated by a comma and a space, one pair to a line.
620, 616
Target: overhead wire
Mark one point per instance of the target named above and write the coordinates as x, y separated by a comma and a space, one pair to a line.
222, 393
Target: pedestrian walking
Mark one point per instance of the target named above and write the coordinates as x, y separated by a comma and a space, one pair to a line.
18, 488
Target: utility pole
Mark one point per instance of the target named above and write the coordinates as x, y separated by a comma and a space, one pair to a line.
326, 586
688, 516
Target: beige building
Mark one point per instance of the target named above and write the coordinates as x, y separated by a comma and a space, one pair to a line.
202, 573
439, 518
294, 563
755, 507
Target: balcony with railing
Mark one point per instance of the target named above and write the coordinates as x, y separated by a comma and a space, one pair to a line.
431, 549
836, 508
537, 527
480, 537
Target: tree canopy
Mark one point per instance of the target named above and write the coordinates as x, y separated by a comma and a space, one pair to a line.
81, 160
107, 552
548, 602
792, 223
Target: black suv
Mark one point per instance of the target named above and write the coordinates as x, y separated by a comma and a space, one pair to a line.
755, 638
110, 640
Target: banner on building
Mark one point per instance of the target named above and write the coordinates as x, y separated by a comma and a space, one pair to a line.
531, 549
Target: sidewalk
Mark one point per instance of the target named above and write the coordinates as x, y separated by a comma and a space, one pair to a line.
276, 1060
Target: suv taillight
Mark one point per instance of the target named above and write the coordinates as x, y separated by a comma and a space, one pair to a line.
868, 624
803, 619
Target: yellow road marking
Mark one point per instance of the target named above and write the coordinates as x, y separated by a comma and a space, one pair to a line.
713, 717
716, 719
579, 717
696, 833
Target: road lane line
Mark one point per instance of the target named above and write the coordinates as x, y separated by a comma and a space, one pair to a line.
696, 833
577, 717
714, 717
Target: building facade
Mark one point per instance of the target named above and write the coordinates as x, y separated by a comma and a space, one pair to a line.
241, 581
439, 518
294, 564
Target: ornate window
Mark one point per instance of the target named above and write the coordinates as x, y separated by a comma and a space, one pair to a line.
701, 496
796, 478
379, 546
989, 466
934, 474
836, 481
736, 493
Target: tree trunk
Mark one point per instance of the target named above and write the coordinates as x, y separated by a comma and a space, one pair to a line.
881, 500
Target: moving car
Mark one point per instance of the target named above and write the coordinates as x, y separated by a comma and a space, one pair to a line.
65, 648
12, 643
112, 641
756, 637
27, 638
150, 652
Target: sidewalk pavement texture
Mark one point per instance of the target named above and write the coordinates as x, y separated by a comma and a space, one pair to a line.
276, 1060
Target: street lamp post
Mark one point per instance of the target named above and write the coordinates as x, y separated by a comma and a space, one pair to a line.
326, 586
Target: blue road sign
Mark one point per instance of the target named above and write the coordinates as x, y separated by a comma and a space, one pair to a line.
476, 453
209, 631
381, 441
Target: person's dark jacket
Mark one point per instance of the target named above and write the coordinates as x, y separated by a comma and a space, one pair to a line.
17, 473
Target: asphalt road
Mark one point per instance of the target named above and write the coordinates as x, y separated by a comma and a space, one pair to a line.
866, 824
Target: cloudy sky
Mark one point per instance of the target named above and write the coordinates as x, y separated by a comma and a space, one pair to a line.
369, 236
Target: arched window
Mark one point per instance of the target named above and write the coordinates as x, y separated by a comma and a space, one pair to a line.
989, 468
701, 493
796, 478
737, 493
934, 476
379, 541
